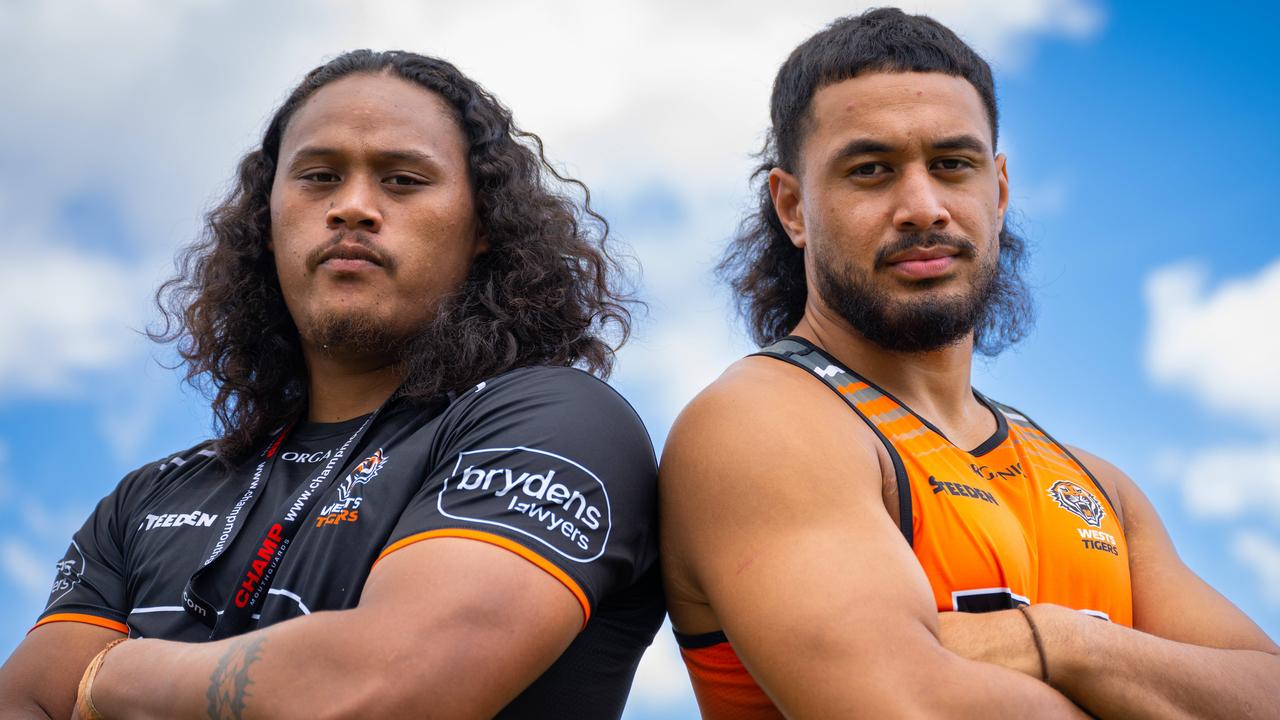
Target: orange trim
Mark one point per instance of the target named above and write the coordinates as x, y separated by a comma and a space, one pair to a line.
505, 544
86, 619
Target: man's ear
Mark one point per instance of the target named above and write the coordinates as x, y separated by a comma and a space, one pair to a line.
784, 188
1002, 178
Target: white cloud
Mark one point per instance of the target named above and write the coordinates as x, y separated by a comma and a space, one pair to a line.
625, 94
676, 89
24, 569
1228, 482
67, 312
1220, 345
1260, 554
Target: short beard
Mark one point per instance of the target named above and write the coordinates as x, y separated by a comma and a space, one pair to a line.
346, 335
917, 326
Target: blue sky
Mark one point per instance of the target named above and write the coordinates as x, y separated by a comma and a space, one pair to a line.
1142, 150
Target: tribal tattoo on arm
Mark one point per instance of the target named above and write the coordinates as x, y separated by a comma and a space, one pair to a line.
230, 680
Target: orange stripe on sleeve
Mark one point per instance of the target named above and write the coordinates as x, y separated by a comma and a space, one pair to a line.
505, 544
86, 619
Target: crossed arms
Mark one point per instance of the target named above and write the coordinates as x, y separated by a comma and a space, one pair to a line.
436, 629
774, 518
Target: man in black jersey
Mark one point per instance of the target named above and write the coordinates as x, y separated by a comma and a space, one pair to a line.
417, 505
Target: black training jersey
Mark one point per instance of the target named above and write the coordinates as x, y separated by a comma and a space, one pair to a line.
548, 463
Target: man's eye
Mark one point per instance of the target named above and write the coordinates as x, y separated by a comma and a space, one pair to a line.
321, 176
952, 164
869, 170
404, 180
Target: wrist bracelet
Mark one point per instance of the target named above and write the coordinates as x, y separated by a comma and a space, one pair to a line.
1035, 637
84, 695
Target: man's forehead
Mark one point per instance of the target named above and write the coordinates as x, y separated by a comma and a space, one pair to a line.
370, 105
900, 103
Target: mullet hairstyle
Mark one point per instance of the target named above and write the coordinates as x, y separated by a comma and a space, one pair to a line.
547, 292
761, 265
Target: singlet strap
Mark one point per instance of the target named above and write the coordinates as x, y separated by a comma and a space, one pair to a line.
804, 354
699, 641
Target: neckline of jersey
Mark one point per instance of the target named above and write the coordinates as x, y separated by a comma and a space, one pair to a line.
991, 443
309, 430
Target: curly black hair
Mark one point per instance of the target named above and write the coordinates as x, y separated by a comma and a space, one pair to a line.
546, 292
761, 265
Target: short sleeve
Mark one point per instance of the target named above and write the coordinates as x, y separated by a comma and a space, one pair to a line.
89, 580
551, 464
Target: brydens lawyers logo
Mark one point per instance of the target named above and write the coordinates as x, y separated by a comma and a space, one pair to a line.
535, 493
1075, 499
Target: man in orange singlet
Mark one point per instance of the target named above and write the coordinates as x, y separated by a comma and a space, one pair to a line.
850, 529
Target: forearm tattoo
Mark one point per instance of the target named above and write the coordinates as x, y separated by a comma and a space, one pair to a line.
230, 679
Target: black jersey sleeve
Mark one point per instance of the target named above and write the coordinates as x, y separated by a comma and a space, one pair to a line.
550, 463
89, 583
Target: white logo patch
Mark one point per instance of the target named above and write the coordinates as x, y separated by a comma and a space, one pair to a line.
70, 569
828, 371
535, 493
194, 518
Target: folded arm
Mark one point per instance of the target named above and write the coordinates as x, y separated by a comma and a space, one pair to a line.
1191, 653
39, 679
447, 627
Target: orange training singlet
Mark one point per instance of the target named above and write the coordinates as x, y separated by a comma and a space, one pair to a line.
1015, 521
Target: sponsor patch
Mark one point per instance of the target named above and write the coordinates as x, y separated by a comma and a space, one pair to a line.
1078, 501
195, 518
961, 490
534, 493
310, 458
67, 574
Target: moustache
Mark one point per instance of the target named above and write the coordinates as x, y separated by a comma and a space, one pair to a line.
319, 254
908, 241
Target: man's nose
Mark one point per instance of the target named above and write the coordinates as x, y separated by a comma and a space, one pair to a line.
920, 205
355, 207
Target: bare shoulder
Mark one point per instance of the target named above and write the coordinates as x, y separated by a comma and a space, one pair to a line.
762, 414
762, 452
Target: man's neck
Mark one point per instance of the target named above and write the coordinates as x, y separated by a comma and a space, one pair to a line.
934, 384
343, 387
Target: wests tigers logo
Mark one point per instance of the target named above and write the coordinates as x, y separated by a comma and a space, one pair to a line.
1078, 501
363, 473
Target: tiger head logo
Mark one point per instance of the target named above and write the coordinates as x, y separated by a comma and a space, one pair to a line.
363, 473
1078, 501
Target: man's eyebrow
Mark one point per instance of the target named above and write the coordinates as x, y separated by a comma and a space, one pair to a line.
961, 142
318, 152
862, 146
406, 155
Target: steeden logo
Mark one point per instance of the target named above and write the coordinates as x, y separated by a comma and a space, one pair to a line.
195, 518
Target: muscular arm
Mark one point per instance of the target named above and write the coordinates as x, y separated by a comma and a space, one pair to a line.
449, 628
772, 507
1191, 654
39, 680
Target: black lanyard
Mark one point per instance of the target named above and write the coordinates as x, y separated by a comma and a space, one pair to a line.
265, 556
